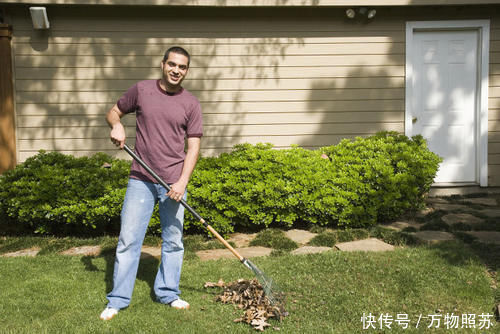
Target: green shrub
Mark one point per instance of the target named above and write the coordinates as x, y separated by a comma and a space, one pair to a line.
52, 193
360, 183
391, 172
252, 185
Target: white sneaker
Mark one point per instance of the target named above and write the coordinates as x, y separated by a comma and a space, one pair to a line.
180, 304
108, 313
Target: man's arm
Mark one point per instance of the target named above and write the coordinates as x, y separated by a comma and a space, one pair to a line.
177, 189
113, 118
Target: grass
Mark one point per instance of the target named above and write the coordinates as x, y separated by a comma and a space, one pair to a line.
327, 293
324, 239
328, 238
274, 238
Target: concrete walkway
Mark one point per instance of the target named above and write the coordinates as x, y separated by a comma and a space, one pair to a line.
442, 219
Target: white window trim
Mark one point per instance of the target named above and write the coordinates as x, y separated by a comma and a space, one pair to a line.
483, 28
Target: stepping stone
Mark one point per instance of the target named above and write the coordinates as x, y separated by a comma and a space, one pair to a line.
492, 213
424, 212
309, 250
241, 239
367, 245
436, 200
450, 207
434, 236
83, 250
301, 237
30, 252
482, 201
466, 218
488, 237
247, 252
398, 226
149, 251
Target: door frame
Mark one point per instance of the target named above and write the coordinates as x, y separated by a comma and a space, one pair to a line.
481, 116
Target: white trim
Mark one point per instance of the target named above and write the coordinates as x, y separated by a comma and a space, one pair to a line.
483, 28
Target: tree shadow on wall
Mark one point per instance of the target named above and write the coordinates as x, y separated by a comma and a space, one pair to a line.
68, 79
367, 91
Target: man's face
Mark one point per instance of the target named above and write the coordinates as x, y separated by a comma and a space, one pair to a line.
174, 69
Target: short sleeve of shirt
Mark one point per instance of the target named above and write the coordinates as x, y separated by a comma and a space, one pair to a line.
195, 122
128, 101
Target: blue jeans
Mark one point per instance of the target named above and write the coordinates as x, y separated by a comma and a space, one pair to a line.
138, 206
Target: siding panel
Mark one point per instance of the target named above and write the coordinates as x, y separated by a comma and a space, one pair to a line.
211, 85
209, 49
68, 110
233, 96
221, 73
209, 61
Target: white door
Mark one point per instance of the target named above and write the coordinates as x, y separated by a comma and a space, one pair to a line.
444, 95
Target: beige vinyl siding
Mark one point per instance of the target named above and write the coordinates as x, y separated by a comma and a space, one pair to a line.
494, 104
494, 109
308, 81
306, 76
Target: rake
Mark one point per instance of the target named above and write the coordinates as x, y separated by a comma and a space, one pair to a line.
275, 296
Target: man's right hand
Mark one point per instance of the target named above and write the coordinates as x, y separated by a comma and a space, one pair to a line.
117, 135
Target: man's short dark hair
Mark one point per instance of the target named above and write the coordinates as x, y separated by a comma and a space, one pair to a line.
178, 50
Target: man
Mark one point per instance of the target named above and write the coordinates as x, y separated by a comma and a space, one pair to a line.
167, 116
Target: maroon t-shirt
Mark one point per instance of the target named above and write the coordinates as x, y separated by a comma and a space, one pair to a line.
163, 121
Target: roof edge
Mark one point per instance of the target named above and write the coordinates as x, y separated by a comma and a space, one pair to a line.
255, 3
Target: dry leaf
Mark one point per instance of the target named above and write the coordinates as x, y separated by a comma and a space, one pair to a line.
260, 324
248, 295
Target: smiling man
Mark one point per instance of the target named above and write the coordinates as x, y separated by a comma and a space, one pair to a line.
167, 116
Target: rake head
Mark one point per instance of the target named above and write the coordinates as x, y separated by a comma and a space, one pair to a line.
273, 293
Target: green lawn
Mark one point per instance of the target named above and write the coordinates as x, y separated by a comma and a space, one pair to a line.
327, 293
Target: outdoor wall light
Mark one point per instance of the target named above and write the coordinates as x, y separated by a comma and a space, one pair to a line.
350, 13
362, 11
39, 18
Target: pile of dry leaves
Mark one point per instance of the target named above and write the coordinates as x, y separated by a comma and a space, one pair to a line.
249, 295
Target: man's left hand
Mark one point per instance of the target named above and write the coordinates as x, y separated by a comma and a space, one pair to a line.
177, 191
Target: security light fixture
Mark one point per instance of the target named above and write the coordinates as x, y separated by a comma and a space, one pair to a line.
365, 12
362, 11
350, 13
39, 18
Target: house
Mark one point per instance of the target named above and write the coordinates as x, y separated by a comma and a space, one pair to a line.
305, 72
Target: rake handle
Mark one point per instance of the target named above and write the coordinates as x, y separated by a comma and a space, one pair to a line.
184, 203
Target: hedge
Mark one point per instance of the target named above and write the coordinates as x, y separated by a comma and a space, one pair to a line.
53, 193
355, 183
